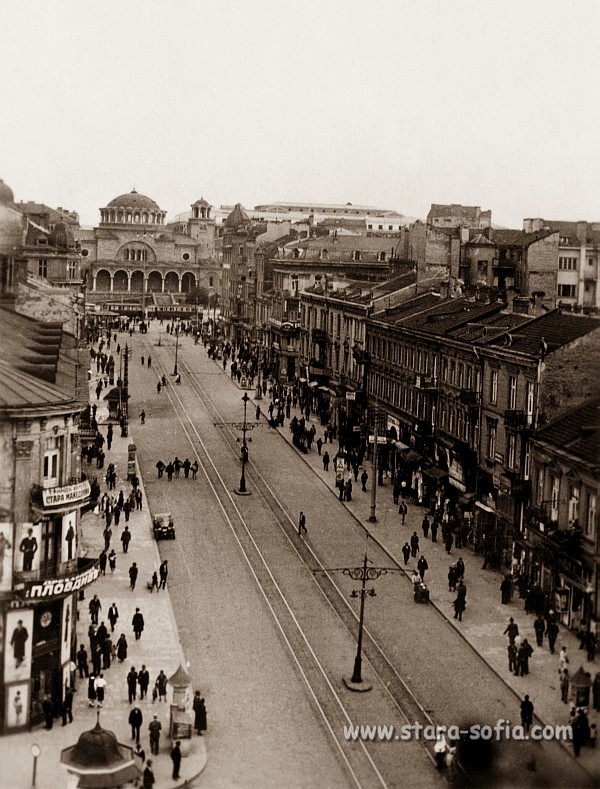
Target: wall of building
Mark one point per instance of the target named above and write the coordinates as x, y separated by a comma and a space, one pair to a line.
542, 268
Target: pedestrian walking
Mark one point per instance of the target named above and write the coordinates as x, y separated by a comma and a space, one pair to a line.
460, 568
82, 662
136, 719
452, 578
552, 634
91, 694
176, 759
461, 601
122, 648
132, 678
113, 615
163, 571
539, 626
149, 362
94, 607
414, 544
194, 469
100, 687
67, 706
143, 681
363, 480
138, 624
142, 417
154, 728
133, 574
302, 525
524, 653
402, 510
160, 467
425, 527
512, 657
154, 582
434, 531
505, 590
326, 460
107, 533
512, 630
161, 686
112, 560
406, 552
422, 566
199, 708
581, 731
526, 713
319, 445
564, 681
448, 542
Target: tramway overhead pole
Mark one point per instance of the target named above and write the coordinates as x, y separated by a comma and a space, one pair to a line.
176, 347
245, 427
363, 574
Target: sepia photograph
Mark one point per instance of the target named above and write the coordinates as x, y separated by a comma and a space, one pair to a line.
299, 400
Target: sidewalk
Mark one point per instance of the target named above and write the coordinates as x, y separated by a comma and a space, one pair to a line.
159, 647
485, 617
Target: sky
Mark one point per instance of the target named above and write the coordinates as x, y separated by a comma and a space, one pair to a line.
392, 103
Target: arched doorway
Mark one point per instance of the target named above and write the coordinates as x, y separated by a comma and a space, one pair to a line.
137, 282
171, 282
120, 280
155, 282
188, 282
102, 279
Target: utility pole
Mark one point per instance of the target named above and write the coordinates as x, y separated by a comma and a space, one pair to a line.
242, 489
176, 347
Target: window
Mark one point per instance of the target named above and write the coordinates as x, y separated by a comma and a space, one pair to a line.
554, 492
530, 390
567, 291
382, 257
357, 255
380, 227
482, 269
494, 387
51, 470
573, 503
71, 269
185, 256
512, 392
541, 483
85, 253
591, 511
211, 282
294, 283
42, 267
491, 447
452, 371
461, 374
511, 444
567, 264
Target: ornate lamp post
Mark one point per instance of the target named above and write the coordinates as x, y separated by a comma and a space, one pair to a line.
176, 347
242, 489
363, 574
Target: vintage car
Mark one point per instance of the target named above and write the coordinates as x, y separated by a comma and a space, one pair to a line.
163, 526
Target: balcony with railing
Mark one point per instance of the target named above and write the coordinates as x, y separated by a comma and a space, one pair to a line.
469, 398
426, 383
515, 419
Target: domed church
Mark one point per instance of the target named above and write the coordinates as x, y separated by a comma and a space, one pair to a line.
134, 257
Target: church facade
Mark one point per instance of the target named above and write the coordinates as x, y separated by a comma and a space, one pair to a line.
134, 256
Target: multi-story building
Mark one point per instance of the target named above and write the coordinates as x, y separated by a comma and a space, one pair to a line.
578, 261
559, 547
455, 216
134, 256
42, 491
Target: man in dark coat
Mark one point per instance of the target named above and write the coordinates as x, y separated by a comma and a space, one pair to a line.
526, 713
82, 662
132, 679
425, 527
133, 574
422, 566
163, 572
48, 709
512, 657
143, 681
505, 589
406, 552
125, 539
414, 544
135, 721
148, 775
138, 624
176, 759
552, 633
154, 728
67, 706
199, 708
523, 655
512, 630
539, 626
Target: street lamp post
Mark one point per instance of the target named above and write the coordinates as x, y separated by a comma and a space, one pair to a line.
35, 752
372, 515
363, 574
242, 489
176, 347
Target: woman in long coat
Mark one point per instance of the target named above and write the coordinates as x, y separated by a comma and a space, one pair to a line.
200, 713
122, 648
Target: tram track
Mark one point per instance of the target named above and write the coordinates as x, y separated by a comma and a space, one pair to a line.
358, 762
380, 667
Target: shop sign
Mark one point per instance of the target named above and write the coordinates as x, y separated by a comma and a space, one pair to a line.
380, 440
53, 497
350, 395
456, 474
55, 587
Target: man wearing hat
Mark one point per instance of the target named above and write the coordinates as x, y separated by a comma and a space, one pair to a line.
155, 729
148, 776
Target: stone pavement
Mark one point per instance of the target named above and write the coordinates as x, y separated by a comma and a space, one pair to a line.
485, 617
159, 647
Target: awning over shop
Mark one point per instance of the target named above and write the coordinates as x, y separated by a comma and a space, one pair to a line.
412, 457
485, 507
399, 445
435, 473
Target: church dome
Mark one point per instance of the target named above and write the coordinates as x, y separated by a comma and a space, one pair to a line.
6, 193
62, 236
134, 200
237, 217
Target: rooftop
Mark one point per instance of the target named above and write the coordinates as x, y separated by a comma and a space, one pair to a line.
577, 431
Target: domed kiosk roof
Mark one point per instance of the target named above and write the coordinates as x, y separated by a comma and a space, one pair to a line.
237, 217
100, 759
134, 200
